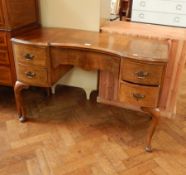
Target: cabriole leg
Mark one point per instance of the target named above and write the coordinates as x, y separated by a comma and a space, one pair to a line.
19, 86
155, 113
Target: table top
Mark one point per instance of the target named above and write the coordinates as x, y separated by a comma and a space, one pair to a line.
145, 30
110, 43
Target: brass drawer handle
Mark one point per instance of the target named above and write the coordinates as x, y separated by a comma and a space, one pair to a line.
138, 96
29, 56
30, 74
142, 74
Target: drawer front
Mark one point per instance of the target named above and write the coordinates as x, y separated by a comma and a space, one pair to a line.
5, 75
144, 96
142, 73
31, 55
85, 59
160, 6
3, 41
32, 75
159, 18
4, 58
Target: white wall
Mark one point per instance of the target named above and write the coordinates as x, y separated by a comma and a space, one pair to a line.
105, 9
78, 14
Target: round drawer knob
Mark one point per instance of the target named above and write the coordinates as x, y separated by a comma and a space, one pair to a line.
142, 3
177, 19
141, 16
179, 7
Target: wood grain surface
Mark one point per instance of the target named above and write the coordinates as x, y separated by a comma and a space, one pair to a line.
120, 45
177, 58
142, 72
68, 135
16, 17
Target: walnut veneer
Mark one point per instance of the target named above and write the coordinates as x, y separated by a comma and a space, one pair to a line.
176, 63
16, 17
131, 69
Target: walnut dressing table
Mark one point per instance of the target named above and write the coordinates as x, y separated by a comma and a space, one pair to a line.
131, 69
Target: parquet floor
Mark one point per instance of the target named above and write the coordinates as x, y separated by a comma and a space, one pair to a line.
67, 135
181, 100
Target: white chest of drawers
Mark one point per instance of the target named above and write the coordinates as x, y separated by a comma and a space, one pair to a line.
165, 12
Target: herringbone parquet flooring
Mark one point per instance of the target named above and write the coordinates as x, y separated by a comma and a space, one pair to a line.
67, 135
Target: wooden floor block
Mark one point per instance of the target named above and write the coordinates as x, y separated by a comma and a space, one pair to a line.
68, 135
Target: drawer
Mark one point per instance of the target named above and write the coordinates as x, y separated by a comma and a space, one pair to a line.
85, 59
160, 6
31, 55
142, 72
32, 75
3, 41
4, 58
5, 75
159, 18
138, 95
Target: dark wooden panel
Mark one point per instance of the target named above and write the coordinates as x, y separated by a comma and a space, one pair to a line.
16, 17
5, 75
2, 22
4, 58
20, 13
3, 39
